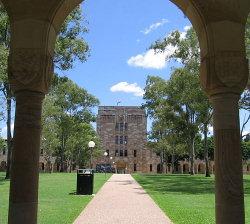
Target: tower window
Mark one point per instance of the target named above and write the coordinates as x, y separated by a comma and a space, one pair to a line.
125, 140
121, 153
126, 126
116, 152
134, 153
121, 126
121, 140
135, 167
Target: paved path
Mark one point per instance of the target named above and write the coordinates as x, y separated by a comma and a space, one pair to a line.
122, 201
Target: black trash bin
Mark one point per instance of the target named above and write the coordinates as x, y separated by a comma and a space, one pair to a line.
85, 181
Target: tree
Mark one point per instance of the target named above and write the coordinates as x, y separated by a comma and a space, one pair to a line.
69, 47
173, 104
70, 44
2, 144
245, 98
166, 143
198, 111
245, 147
4, 84
50, 141
67, 113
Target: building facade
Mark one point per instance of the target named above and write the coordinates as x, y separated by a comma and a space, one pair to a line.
123, 134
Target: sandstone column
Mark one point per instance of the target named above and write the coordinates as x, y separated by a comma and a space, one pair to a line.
25, 168
34, 27
30, 71
224, 75
228, 73
228, 160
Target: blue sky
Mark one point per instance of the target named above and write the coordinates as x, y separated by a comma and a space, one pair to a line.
120, 33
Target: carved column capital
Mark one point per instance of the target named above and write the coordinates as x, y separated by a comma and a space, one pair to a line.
224, 72
30, 69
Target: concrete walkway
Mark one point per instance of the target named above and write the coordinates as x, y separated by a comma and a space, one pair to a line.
122, 201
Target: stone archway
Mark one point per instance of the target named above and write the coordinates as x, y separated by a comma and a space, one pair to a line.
185, 168
3, 166
220, 27
121, 166
201, 168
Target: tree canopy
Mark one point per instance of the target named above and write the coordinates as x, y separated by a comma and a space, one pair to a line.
67, 117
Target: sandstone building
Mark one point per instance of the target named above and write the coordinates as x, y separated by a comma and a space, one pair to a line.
123, 134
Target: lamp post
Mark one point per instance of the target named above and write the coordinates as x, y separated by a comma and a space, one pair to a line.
91, 146
105, 154
114, 165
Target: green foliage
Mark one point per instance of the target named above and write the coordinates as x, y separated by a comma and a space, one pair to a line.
2, 144
4, 46
200, 147
179, 105
70, 45
187, 49
66, 122
245, 147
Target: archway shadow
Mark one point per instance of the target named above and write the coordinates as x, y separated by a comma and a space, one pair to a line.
2, 178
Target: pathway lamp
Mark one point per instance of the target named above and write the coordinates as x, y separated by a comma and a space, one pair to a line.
105, 154
91, 147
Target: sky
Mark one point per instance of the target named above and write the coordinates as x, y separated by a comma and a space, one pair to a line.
120, 34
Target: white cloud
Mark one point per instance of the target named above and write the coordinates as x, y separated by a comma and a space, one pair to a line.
184, 33
211, 130
186, 28
151, 59
244, 133
127, 88
4, 131
154, 26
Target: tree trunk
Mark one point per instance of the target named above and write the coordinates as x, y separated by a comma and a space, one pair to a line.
192, 155
206, 151
9, 136
172, 163
162, 162
62, 155
61, 162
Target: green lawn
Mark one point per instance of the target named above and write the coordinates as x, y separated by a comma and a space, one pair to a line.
57, 202
186, 199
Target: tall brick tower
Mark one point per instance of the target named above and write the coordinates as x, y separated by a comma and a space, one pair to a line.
123, 134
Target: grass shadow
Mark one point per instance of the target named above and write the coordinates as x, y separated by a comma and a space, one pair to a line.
247, 185
2, 178
180, 184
